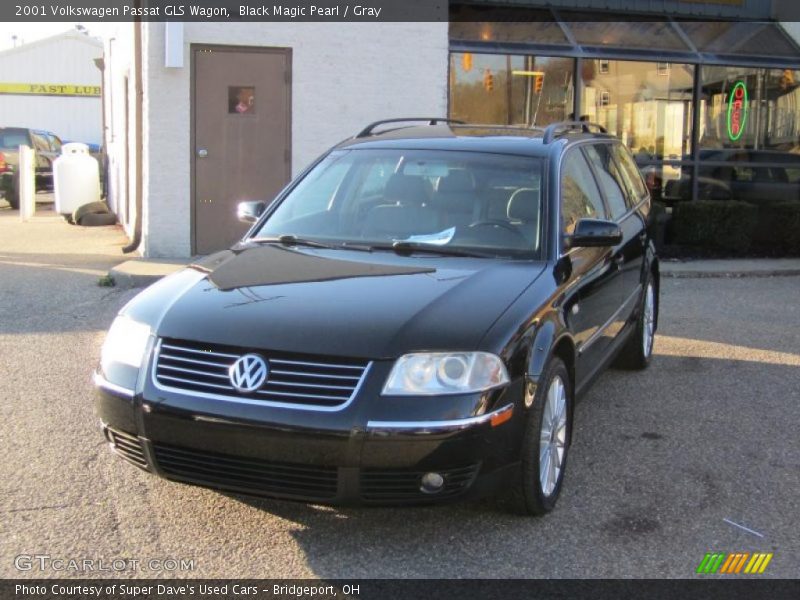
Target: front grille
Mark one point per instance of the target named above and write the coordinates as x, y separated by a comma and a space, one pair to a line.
127, 446
296, 380
247, 474
382, 485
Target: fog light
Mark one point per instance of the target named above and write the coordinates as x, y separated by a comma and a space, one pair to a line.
432, 483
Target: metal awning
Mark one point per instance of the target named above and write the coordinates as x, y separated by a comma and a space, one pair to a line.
547, 31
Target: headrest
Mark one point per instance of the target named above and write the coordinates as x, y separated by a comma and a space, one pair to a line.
524, 205
405, 189
456, 180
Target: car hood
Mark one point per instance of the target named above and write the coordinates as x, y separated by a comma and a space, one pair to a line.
334, 302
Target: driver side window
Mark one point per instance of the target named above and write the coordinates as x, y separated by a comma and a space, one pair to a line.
580, 196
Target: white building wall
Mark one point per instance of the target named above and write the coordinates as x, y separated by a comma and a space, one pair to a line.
63, 59
344, 75
120, 133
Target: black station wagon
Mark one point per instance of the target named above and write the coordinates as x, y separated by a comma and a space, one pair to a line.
411, 320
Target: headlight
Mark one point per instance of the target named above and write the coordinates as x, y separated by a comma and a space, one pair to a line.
125, 343
432, 373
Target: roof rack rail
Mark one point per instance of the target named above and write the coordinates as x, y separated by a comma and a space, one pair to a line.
556, 128
430, 120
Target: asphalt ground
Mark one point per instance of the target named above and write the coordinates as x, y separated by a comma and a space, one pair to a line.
660, 458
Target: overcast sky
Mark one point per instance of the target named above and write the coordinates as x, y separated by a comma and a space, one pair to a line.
28, 32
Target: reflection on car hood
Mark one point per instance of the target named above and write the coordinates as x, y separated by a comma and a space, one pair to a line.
334, 302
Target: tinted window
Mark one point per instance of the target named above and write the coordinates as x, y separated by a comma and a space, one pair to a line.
630, 173
609, 176
580, 196
40, 142
55, 143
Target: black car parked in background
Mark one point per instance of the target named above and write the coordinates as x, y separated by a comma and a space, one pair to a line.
410, 321
47, 146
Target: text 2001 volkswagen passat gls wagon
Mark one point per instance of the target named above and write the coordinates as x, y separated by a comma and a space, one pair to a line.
410, 321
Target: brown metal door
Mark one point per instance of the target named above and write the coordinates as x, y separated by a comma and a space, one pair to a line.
242, 136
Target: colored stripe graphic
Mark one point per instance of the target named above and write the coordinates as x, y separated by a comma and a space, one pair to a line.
711, 562
734, 563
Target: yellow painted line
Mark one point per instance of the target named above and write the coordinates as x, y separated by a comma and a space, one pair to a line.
765, 563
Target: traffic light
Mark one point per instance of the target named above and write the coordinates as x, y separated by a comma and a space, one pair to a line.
538, 82
466, 62
488, 80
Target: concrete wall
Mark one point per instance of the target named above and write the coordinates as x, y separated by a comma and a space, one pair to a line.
62, 59
344, 76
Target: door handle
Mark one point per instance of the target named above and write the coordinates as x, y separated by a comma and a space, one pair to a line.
619, 261
202, 152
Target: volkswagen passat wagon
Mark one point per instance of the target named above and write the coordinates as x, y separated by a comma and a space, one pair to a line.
411, 320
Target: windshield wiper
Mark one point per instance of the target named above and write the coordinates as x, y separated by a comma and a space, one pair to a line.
405, 248
288, 239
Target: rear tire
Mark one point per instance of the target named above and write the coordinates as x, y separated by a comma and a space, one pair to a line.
638, 350
546, 443
89, 209
11, 190
97, 219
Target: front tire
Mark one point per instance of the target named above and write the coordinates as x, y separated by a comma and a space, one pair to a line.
638, 349
546, 442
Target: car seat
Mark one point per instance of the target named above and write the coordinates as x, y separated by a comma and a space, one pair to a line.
456, 198
405, 210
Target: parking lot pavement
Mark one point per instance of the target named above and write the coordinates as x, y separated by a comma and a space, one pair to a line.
660, 458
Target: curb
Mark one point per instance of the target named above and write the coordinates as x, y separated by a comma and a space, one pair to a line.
687, 274
138, 273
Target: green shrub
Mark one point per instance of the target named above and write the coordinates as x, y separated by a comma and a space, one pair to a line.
778, 229
719, 225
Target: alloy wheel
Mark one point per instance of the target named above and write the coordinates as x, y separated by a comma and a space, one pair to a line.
553, 436
649, 320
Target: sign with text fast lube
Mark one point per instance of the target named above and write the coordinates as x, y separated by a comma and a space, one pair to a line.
50, 89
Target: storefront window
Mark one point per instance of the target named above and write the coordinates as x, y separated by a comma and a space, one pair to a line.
648, 105
749, 109
505, 89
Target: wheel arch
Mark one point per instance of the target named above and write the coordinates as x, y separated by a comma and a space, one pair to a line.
548, 342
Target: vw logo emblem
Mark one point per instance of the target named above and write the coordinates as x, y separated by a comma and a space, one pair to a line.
248, 373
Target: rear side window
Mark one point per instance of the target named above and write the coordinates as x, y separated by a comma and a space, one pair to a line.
630, 174
580, 196
40, 142
610, 178
55, 143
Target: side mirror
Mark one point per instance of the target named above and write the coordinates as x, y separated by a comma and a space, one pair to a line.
593, 233
249, 212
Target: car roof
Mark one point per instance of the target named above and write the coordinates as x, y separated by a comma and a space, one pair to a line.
471, 138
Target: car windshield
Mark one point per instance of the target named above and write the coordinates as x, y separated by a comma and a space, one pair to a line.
417, 200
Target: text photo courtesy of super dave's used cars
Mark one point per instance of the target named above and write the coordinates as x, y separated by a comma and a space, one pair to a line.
423, 308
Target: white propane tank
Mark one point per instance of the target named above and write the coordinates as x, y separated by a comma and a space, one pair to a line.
76, 178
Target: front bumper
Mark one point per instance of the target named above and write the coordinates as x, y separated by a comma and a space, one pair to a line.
369, 461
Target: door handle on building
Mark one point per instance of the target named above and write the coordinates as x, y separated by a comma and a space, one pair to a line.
202, 152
